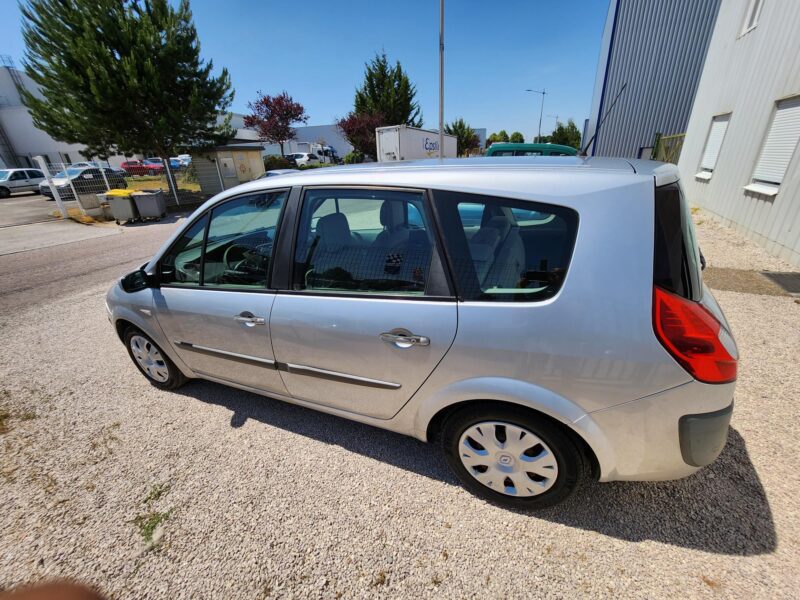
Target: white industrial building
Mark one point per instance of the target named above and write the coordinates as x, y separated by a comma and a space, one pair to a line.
739, 159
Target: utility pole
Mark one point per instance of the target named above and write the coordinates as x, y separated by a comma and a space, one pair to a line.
441, 79
553, 117
543, 92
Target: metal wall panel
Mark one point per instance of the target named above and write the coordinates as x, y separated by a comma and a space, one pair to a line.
657, 48
747, 75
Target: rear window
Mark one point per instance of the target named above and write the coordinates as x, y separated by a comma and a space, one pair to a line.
506, 250
676, 263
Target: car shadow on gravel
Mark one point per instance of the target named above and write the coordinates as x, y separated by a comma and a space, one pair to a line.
721, 509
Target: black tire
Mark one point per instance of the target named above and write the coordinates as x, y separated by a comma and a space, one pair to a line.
569, 458
4, 192
175, 379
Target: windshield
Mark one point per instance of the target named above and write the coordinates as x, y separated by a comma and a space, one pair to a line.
71, 172
5, 174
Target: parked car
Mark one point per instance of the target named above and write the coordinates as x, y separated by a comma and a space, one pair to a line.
84, 180
512, 149
142, 167
19, 180
276, 172
174, 163
457, 301
303, 158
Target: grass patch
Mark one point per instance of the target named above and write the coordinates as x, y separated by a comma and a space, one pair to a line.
147, 523
156, 492
159, 182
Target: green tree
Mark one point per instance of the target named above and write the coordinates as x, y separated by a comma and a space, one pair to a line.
388, 91
466, 139
122, 77
568, 134
500, 136
517, 138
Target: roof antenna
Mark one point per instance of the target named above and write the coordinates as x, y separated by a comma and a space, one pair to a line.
603, 120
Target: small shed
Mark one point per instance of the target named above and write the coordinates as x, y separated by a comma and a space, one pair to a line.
227, 166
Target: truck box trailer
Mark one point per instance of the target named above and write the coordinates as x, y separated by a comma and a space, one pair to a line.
401, 142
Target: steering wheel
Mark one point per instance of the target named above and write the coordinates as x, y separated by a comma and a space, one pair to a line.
236, 255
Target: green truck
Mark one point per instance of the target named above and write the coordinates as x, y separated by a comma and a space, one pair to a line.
509, 149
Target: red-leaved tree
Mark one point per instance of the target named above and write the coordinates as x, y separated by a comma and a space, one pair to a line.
273, 116
359, 129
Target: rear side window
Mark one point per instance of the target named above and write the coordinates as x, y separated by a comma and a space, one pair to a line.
676, 263
506, 250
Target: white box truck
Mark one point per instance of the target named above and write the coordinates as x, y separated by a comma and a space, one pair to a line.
401, 142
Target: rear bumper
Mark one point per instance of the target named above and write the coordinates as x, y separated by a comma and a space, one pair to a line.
668, 435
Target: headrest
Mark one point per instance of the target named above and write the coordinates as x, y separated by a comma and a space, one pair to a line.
501, 224
333, 231
393, 214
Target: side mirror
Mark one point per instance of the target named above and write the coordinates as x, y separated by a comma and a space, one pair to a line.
138, 280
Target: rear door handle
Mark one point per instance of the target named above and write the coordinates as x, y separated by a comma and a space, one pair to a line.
404, 339
249, 319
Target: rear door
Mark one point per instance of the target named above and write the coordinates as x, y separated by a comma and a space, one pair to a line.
367, 312
213, 303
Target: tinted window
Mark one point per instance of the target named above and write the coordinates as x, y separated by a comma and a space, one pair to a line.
506, 250
182, 263
313, 156
503, 153
240, 241
35, 175
18, 175
363, 241
677, 256
528, 153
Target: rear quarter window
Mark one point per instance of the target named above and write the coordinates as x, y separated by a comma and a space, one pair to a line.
676, 257
506, 250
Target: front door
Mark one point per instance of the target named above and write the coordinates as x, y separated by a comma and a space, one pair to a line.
213, 303
369, 315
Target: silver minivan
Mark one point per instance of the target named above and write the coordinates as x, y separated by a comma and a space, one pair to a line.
544, 319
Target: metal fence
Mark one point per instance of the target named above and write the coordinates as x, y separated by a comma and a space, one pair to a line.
667, 148
76, 186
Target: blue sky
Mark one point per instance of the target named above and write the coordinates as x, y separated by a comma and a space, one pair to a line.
316, 51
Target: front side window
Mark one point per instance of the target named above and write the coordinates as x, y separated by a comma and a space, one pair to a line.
240, 241
364, 242
18, 176
233, 251
506, 250
181, 264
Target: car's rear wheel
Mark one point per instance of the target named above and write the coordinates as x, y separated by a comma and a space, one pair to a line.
151, 361
512, 457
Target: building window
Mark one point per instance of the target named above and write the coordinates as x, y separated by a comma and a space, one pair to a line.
779, 146
751, 16
716, 135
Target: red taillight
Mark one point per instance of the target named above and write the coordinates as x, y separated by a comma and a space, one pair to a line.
691, 334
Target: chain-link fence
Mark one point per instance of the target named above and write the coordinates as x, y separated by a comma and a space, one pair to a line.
82, 186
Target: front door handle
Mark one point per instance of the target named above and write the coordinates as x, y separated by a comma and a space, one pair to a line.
249, 319
403, 338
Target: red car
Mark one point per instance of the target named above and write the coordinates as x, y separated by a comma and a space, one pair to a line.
138, 167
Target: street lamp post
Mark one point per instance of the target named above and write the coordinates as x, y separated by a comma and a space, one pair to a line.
441, 79
543, 92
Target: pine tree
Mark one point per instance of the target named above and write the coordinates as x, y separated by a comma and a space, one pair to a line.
388, 91
122, 77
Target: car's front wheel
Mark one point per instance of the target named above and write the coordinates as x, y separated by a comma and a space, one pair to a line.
152, 362
4, 192
512, 457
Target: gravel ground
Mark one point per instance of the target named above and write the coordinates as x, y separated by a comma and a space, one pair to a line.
250, 497
724, 247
